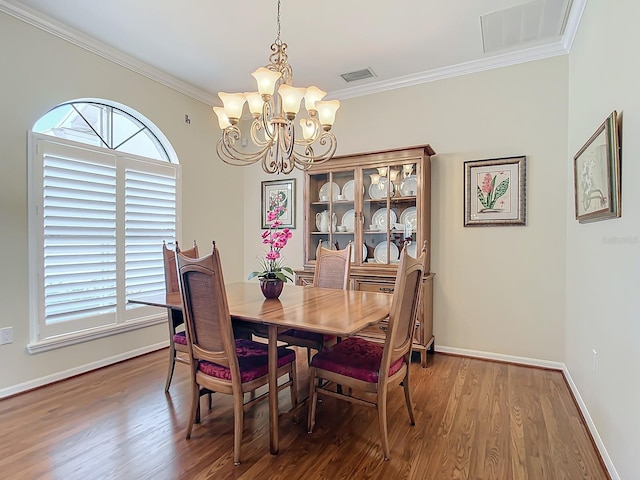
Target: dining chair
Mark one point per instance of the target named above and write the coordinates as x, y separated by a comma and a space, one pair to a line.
219, 361
178, 350
364, 366
332, 271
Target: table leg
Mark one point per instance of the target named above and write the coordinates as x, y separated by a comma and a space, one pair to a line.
273, 389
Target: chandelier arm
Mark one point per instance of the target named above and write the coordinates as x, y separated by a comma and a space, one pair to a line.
256, 127
228, 151
224, 152
307, 156
285, 147
304, 160
277, 162
288, 138
267, 124
230, 156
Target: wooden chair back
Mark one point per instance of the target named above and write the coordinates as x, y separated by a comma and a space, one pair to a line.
332, 267
206, 311
176, 338
170, 272
404, 308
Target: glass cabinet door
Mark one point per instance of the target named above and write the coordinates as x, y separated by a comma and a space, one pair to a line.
406, 205
389, 211
332, 211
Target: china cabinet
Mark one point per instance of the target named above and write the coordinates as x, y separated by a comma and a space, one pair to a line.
376, 201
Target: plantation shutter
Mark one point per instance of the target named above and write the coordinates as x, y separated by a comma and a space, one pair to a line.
102, 217
79, 238
150, 218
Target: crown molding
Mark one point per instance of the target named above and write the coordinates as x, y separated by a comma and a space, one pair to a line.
497, 61
81, 40
573, 21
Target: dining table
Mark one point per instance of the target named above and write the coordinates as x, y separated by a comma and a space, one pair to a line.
340, 313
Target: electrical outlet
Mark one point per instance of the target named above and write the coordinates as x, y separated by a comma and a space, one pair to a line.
6, 335
595, 361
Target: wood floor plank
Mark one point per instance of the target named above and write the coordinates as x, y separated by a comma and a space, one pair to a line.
475, 419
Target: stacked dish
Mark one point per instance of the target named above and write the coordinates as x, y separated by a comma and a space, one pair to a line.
412, 249
353, 253
379, 218
348, 191
380, 253
410, 216
378, 190
349, 220
327, 188
409, 186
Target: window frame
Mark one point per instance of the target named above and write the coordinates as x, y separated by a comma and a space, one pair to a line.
127, 317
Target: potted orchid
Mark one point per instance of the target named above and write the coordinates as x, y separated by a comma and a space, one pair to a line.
274, 274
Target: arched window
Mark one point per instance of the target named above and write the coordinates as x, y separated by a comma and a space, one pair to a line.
103, 197
102, 125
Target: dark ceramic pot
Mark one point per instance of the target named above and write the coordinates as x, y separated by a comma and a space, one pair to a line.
271, 287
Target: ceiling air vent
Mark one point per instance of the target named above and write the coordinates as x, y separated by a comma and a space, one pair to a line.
358, 75
524, 24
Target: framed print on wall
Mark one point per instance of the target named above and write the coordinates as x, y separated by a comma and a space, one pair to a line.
279, 193
596, 173
495, 192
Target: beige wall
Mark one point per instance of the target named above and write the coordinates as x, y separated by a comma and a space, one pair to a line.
41, 73
603, 258
498, 290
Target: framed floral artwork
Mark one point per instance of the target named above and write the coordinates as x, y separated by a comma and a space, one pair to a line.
596, 172
279, 193
495, 192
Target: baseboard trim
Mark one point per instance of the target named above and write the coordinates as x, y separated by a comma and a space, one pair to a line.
72, 372
533, 362
502, 358
591, 426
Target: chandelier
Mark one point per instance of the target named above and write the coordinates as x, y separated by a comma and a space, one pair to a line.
274, 108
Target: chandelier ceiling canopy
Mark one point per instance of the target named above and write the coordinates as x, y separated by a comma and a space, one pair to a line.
274, 107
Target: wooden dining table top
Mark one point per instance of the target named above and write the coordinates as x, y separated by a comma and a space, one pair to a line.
321, 310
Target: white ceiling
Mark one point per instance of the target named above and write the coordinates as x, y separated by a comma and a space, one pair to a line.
204, 46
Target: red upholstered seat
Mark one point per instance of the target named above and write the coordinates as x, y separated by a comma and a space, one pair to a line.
180, 338
355, 357
252, 359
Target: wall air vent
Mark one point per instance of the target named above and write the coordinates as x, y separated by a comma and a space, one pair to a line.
358, 75
524, 24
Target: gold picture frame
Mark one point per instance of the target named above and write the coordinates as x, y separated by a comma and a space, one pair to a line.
495, 192
596, 174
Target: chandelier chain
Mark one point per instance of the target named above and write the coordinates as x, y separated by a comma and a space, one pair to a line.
278, 21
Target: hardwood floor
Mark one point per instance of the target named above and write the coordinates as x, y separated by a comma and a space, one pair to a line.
475, 419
